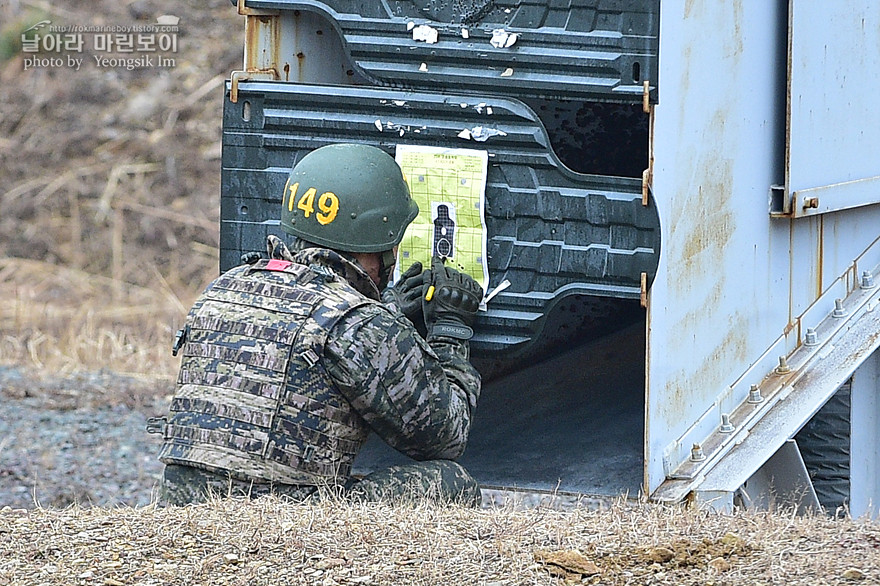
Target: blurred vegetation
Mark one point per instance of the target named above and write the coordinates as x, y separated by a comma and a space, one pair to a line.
110, 188
12, 31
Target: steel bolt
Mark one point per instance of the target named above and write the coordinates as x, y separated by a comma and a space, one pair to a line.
755, 395
810, 338
726, 426
867, 280
697, 454
783, 367
839, 310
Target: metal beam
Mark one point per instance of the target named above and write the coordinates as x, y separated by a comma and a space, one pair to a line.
782, 482
799, 402
789, 397
865, 439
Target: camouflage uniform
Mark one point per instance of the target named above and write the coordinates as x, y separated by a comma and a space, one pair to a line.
347, 364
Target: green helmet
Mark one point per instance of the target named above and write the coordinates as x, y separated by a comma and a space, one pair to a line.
348, 197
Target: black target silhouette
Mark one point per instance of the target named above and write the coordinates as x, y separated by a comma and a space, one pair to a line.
444, 231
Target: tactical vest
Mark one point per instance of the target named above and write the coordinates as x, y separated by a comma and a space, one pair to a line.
253, 398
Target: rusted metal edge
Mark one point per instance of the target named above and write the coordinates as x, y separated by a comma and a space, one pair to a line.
245, 11
814, 201
836, 197
648, 174
251, 75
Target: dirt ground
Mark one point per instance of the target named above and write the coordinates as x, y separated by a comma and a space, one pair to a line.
77, 494
66, 441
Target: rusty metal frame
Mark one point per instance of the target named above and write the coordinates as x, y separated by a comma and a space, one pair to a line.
262, 32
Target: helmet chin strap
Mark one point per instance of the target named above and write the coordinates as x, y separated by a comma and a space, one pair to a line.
387, 260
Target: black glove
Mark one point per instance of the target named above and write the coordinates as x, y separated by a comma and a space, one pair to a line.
250, 258
407, 294
450, 302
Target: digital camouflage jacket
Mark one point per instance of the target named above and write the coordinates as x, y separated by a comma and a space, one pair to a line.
289, 363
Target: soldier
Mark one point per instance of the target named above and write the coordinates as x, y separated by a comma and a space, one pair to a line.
289, 362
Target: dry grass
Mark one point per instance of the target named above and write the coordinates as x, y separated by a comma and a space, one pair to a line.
115, 172
271, 542
110, 192
64, 320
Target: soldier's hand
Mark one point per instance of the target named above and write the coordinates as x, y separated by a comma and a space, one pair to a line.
450, 302
407, 294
